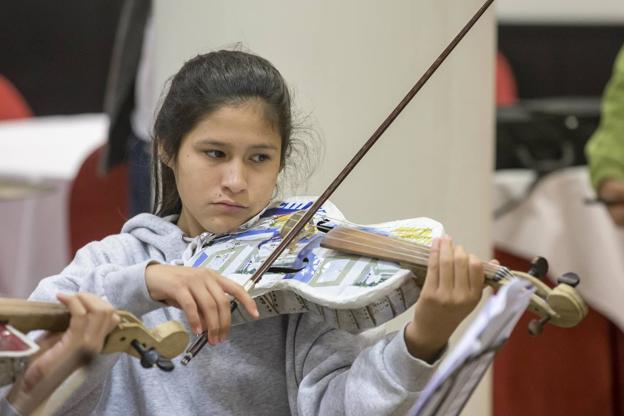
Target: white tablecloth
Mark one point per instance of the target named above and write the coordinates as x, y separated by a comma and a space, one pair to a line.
554, 222
34, 231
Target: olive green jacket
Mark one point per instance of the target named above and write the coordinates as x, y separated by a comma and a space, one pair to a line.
605, 149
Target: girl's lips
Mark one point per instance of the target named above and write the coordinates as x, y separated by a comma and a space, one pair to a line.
229, 205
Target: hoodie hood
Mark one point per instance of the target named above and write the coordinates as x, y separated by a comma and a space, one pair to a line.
198, 242
163, 234
158, 232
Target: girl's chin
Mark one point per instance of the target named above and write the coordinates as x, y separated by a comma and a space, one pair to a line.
223, 226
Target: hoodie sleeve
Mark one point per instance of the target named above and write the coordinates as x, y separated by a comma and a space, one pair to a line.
6, 409
605, 149
337, 373
113, 269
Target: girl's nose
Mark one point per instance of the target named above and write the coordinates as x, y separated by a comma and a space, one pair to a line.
234, 178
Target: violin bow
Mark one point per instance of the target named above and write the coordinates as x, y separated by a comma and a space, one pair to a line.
202, 339
300, 224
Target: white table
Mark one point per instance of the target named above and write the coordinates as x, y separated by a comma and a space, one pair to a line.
34, 233
554, 222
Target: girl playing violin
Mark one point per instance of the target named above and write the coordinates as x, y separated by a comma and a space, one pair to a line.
221, 138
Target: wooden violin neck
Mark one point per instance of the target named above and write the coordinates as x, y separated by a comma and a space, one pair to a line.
363, 243
27, 315
367, 244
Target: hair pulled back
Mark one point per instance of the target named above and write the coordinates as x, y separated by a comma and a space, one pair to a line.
202, 86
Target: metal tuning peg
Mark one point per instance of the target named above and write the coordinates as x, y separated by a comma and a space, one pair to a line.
149, 356
165, 364
536, 326
539, 267
570, 279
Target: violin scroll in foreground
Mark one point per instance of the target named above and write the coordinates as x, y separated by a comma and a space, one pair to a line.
153, 347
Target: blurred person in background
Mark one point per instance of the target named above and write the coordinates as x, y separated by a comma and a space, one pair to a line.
130, 100
605, 149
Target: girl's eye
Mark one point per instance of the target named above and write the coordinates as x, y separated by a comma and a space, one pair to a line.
260, 158
214, 153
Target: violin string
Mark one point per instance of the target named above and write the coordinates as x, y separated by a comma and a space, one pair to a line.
405, 247
415, 252
421, 257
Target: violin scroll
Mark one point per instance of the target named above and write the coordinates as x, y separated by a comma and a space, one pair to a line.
560, 306
154, 347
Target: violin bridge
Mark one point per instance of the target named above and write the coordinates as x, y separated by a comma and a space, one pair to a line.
289, 224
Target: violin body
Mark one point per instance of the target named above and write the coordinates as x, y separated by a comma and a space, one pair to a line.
353, 281
353, 293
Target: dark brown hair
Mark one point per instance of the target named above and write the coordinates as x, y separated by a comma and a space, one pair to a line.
202, 86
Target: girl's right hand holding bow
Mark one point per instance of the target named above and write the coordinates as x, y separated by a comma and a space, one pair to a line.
203, 294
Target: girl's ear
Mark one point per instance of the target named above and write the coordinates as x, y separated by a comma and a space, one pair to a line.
164, 157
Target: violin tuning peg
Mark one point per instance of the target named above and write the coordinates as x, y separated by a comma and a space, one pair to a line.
570, 279
149, 356
165, 364
539, 267
536, 326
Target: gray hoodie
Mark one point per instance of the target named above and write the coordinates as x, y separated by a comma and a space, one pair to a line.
294, 364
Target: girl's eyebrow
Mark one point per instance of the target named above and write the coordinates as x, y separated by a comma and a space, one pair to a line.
218, 143
264, 146
212, 142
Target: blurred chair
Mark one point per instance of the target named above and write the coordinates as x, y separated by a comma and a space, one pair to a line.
506, 88
12, 103
98, 203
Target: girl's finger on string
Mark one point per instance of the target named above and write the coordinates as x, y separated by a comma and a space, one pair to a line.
241, 295
447, 264
223, 309
76, 309
477, 276
433, 267
102, 318
461, 276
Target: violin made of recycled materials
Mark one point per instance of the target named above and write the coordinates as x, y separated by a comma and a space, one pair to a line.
357, 277
154, 347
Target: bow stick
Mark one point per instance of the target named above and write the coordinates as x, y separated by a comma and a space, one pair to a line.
202, 339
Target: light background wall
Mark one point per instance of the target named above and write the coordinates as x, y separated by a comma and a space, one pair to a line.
349, 63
